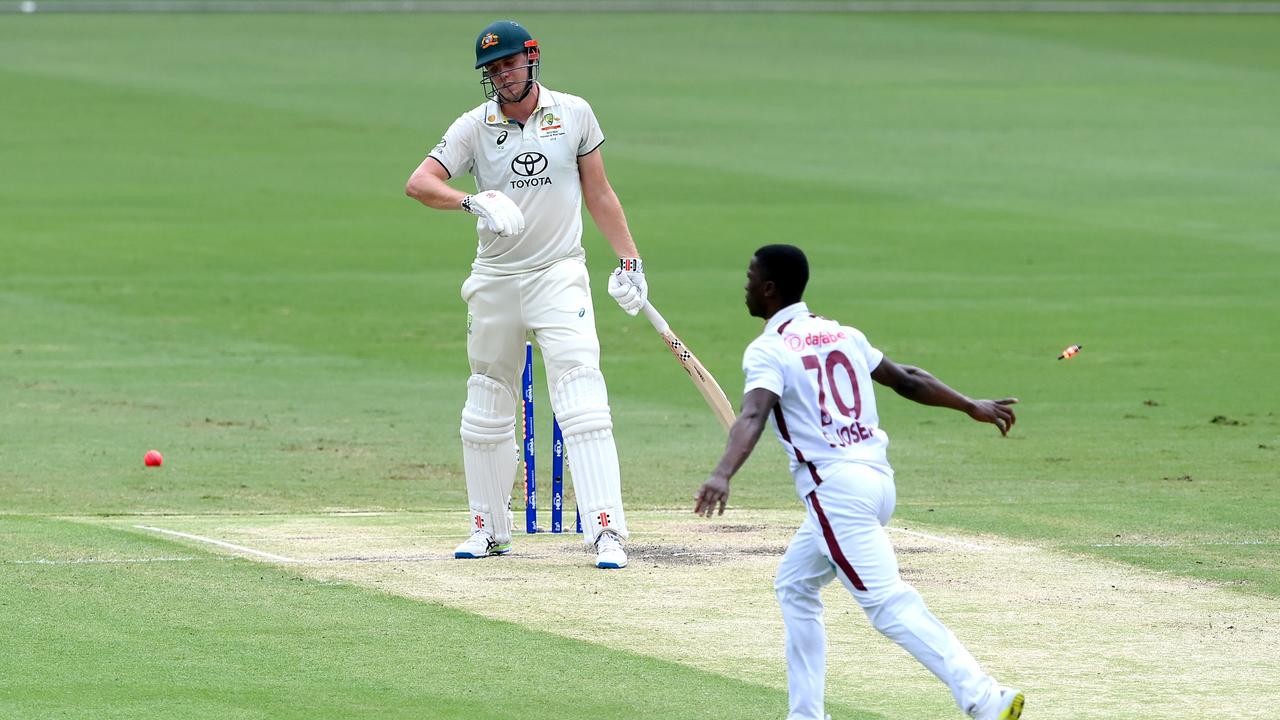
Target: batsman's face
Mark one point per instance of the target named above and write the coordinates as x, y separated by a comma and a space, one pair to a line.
509, 76
755, 288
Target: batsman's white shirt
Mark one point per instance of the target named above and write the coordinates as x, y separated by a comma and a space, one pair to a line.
821, 372
536, 166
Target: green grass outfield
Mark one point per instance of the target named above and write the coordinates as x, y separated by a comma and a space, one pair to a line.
629, 6
204, 248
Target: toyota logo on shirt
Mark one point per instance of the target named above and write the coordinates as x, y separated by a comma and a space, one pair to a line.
528, 164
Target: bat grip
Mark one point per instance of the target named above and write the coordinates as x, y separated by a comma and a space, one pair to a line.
659, 322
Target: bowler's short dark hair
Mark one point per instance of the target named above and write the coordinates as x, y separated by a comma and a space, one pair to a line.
788, 269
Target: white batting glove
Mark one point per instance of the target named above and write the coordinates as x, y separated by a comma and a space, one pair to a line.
627, 285
496, 211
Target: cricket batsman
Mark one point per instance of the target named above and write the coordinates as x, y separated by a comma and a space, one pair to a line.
535, 155
813, 377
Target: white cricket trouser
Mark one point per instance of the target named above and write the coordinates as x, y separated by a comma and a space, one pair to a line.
555, 304
843, 537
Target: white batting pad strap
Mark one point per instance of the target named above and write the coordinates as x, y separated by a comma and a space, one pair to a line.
489, 417
489, 455
481, 430
582, 402
582, 408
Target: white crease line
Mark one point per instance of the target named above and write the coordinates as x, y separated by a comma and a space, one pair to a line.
220, 543
102, 561
938, 538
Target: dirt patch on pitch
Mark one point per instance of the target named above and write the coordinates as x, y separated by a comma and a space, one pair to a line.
670, 555
1084, 637
722, 528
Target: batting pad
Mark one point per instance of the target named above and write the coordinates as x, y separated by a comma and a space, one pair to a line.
489, 455
581, 403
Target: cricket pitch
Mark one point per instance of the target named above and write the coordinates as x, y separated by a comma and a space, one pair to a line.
1083, 637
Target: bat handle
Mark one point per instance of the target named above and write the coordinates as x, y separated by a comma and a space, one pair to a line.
659, 322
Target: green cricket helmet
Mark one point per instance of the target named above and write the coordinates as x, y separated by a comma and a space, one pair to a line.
502, 39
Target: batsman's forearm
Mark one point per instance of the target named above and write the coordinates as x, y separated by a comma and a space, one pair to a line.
929, 390
743, 437
606, 212
433, 192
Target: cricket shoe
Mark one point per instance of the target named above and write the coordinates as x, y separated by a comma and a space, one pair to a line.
480, 544
609, 552
1007, 705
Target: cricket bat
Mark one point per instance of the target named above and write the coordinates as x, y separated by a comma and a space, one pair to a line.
702, 379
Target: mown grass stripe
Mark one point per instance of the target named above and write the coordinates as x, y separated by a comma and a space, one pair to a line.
1093, 7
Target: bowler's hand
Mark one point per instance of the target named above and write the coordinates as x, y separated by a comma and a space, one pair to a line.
628, 286
996, 412
496, 211
714, 492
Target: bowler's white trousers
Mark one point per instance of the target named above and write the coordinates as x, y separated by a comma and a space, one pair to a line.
843, 537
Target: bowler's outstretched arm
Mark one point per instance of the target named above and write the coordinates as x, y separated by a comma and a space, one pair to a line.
743, 436
916, 384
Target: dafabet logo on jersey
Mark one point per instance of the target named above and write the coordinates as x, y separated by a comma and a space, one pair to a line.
796, 343
488, 41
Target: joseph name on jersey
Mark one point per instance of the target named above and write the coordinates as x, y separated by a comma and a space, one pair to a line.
536, 165
821, 372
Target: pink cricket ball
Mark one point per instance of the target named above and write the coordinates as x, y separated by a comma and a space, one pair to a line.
153, 458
